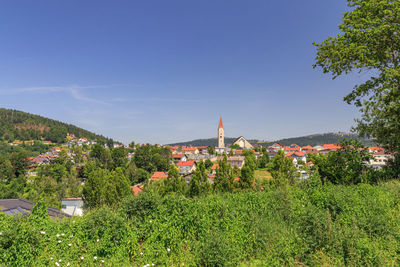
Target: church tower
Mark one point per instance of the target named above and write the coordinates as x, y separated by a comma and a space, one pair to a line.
221, 142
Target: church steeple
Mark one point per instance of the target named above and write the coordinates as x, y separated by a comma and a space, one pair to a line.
220, 123
221, 142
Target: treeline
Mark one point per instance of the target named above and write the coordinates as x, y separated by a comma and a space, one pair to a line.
320, 139
18, 125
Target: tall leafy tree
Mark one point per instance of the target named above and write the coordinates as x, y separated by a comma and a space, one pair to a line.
369, 42
345, 165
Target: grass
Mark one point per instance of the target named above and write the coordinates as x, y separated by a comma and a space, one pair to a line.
262, 175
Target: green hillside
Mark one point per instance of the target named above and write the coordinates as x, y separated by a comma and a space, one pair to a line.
319, 139
18, 125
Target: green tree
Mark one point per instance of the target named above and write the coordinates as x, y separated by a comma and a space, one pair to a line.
345, 165
283, 169
369, 42
105, 187
19, 162
119, 157
174, 183
263, 160
224, 177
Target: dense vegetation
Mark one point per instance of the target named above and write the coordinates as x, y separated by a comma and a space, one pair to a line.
305, 224
18, 125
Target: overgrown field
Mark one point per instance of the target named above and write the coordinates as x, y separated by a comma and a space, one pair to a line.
304, 224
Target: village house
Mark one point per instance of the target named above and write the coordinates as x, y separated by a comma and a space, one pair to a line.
72, 206
24, 207
203, 150
237, 161
379, 160
159, 175
190, 150
297, 156
242, 143
179, 157
186, 167
136, 189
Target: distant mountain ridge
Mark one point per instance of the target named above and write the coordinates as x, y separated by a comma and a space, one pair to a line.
320, 139
15, 124
313, 140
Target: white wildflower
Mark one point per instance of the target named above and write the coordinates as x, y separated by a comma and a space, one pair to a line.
57, 264
98, 240
59, 241
95, 257
168, 249
58, 235
82, 257
51, 258
69, 244
42, 232
1, 233
141, 253
59, 260
72, 236
68, 264
63, 234
151, 221
102, 261
152, 264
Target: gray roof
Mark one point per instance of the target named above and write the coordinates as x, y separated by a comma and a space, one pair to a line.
22, 206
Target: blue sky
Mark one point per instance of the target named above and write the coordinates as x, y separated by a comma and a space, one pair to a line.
164, 71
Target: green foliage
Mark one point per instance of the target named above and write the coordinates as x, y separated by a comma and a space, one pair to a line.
345, 165
152, 158
369, 42
104, 187
308, 224
283, 169
174, 183
263, 160
223, 181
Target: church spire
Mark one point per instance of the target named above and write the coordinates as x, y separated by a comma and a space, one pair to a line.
220, 123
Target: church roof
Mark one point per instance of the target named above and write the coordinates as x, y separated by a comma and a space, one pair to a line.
220, 123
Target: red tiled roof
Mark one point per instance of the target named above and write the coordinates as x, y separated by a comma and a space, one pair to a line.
298, 154
189, 149
379, 153
158, 175
307, 147
287, 148
178, 156
136, 189
330, 146
186, 163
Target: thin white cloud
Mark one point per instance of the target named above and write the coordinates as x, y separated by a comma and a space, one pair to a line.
74, 90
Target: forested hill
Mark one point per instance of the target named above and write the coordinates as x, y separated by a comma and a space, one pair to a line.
319, 139
18, 125
313, 140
